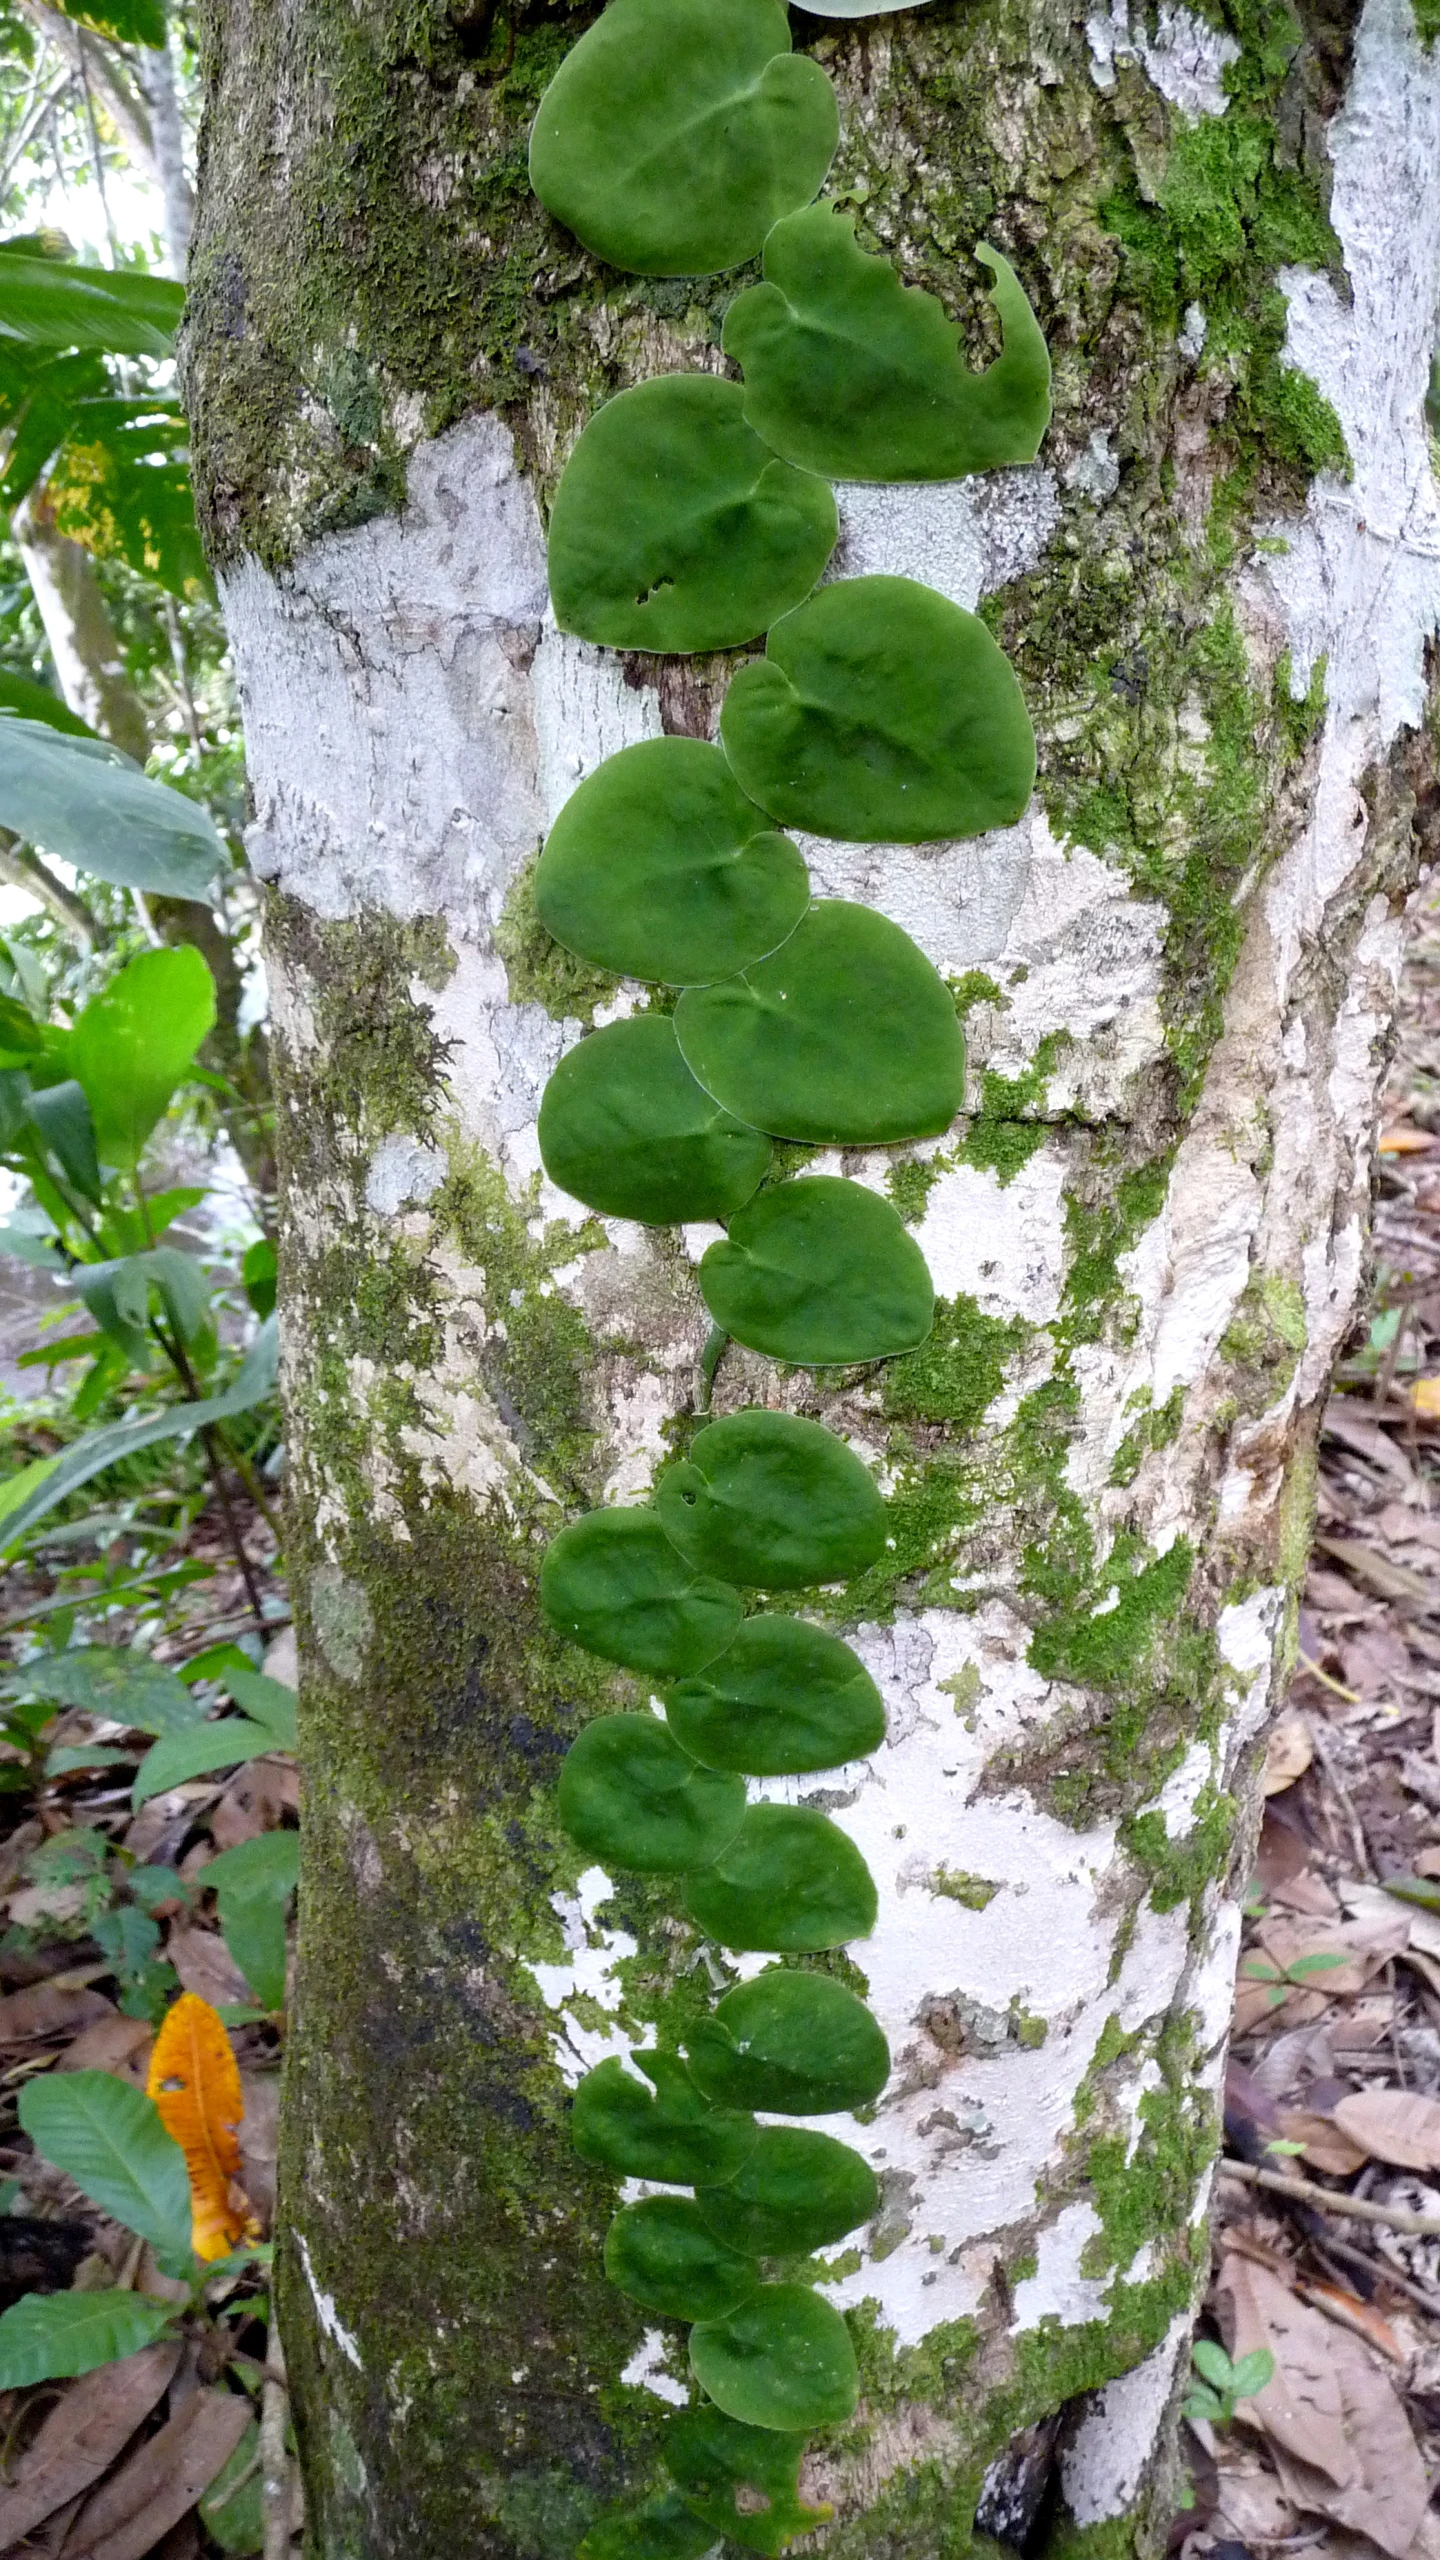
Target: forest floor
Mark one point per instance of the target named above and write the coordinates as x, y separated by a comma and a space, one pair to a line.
1334, 2082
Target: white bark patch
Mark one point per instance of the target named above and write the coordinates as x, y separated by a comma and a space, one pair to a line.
962, 537
1186, 58
1104, 2466
1003, 1245
593, 1953
325, 2312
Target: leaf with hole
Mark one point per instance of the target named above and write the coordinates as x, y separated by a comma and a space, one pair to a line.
625, 1127
783, 1698
109, 2138
820, 1272
782, 2360
664, 2528
631, 1797
798, 2191
672, 2135
677, 131
674, 528
881, 713
846, 1035
769, 1499
790, 1882
852, 373
613, 1583
710, 2457
796, 2044
658, 867
45, 2337
663, 2253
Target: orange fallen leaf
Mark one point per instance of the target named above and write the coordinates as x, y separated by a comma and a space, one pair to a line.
1425, 1395
195, 2083
1403, 1139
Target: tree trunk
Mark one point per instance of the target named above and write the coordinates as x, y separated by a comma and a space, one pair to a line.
1220, 586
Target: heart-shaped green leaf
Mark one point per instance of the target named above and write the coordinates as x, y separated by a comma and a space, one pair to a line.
820, 1272
769, 1499
850, 372
673, 2136
881, 713
663, 2253
790, 1882
710, 2456
631, 1797
674, 528
677, 131
796, 2044
625, 1127
797, 2191
846, 1035
658, 867
662, 2529
783, 1698
614, 1583
783, 2360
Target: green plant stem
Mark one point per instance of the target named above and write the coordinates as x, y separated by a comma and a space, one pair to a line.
176, 1354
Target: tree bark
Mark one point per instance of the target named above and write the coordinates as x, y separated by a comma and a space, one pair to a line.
1221, 587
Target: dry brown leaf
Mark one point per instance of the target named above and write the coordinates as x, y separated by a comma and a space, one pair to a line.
1362, 2317
206, 1966
119, 2045
1388, 2498
195, 2082
81, 2437
137, 2506
49, 2009
1288, 1754
260, 2141
1393, 2125
256, 1800
1251, 2506
1300, 2406
1326, 2147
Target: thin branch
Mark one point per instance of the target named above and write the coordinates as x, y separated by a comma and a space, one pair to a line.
274, 2460
25, 870
1396, 2217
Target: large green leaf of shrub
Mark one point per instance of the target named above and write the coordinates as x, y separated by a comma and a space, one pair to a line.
118, 311
850, 372
82, 799
677, 131
881, 713
47, 2337
134, 1043
108, 2137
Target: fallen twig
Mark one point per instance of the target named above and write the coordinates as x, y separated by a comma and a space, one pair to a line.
274, 2460
1353, 2208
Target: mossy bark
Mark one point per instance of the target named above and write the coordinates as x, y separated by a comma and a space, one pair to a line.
1089, 1526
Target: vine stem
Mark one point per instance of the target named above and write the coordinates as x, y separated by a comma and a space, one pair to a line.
710, 1359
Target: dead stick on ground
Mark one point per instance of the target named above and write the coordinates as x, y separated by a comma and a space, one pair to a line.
274, 2461
1397, 2217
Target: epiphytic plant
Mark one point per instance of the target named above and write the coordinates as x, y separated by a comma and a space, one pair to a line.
680, 137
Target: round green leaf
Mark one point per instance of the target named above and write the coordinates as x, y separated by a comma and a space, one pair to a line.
820, 1272
769, 1499
673, 2136
783, 2360
785, 1697
674, 528
797, 2191
614, 1583
804, 1043
850, 372
677, 131
662, 2529
632, 1798
658, 867
663, 2253
710, 2456
790, 1882
796, 2044
881, 713
625, 1127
